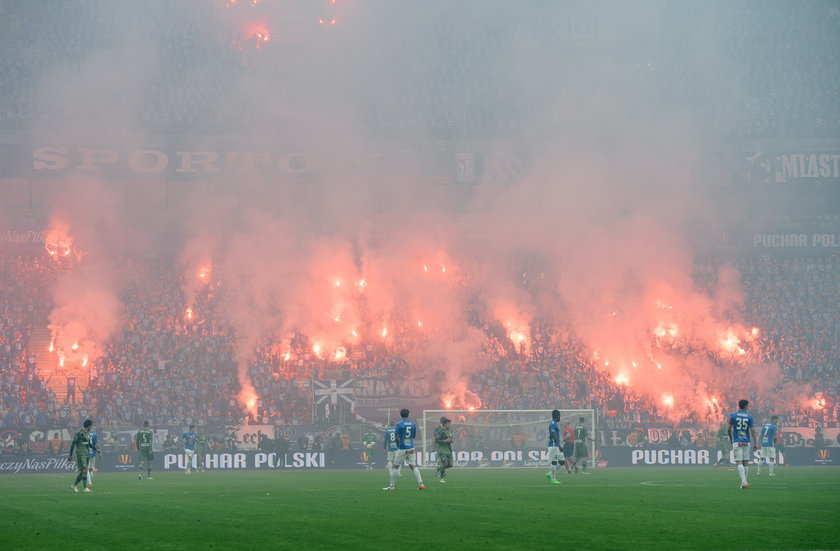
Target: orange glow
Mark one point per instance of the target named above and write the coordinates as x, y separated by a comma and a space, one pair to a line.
248, 398
668, 400
84, 361
354, 333
425, 268
340, 354
58, 241
755, 331
317, 349
75, 346
731, 343
622, 380
52, 346
419, 323
189, 313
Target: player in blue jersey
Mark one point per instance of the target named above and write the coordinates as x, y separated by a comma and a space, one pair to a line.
390, 445
93, 448
406, 432
189, 438
555, 447
741, 433
768, 446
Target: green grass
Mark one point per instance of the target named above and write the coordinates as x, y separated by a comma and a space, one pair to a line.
614, 508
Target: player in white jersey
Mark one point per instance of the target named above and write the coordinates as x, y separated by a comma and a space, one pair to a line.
741, 428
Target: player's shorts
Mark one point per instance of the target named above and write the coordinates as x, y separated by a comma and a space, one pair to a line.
768, 452
556, 454
568, 449
405, 456
82, 461
146, 454
189, 453
445, 458
742, 451
581, 449
390, 456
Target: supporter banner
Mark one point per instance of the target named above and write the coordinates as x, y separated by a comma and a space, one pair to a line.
793, 167
248, 436
811, 437
374, 397
703, 437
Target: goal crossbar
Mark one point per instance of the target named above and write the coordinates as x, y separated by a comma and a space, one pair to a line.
500, 438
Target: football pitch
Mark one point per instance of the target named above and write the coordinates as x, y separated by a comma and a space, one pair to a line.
613, 508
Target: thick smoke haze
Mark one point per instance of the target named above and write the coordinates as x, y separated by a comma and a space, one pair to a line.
597, 236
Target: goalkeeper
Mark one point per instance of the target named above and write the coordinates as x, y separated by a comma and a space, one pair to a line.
443, 446
368, 444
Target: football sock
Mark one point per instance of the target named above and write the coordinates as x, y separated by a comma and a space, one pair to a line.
771, 466
742, 472
89, 481
416, 472
553, 470
394, 474
79, 478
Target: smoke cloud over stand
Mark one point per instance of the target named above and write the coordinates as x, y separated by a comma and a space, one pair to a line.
354, 244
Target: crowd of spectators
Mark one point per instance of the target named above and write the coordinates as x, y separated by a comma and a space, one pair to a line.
177, 368
739, 69
793, 300
25, 398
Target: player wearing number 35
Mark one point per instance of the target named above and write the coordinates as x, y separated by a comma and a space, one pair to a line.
741, 434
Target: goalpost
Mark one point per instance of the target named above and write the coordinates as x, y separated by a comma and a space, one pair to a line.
501, 437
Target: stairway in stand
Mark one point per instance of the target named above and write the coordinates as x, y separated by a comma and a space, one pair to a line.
47, 362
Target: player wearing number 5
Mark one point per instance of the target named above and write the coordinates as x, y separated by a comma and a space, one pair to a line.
741, 434
406, 432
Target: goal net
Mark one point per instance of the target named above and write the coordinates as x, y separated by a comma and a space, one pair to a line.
501, 438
